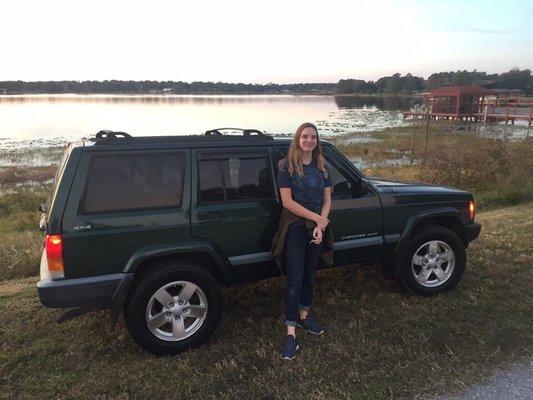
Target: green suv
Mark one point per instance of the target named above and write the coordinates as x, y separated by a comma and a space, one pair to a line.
154, 226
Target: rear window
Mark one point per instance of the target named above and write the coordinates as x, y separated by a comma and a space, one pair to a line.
133, 182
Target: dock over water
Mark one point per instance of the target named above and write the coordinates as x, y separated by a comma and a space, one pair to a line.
474, 103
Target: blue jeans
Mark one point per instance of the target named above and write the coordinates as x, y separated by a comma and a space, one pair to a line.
301, 260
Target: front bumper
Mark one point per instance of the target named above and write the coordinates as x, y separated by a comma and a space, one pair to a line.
472, 231
96, 291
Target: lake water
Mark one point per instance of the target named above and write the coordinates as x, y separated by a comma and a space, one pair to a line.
47, 119
38, 121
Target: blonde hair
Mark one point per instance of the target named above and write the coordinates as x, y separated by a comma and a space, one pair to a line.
293, 159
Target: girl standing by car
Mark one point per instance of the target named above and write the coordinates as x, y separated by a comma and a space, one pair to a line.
305, 189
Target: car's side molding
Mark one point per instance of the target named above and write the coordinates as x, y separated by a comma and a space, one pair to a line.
420, 216
244, 259
183, 248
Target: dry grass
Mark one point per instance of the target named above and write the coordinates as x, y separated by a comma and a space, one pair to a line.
380, 343
13, 175
20, 247
498, 172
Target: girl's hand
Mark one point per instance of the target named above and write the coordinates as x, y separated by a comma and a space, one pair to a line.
322, 222
317, 235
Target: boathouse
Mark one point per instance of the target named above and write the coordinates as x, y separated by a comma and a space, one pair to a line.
474, 103
459, 102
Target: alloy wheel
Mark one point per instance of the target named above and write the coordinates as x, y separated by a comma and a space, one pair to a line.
176, 311
433, 263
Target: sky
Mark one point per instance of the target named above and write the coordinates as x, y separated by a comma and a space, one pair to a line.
260, 41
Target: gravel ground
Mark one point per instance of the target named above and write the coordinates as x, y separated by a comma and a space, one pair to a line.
515, 383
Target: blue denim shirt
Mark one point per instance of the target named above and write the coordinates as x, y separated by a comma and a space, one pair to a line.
307, 190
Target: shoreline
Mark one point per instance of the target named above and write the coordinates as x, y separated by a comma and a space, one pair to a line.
137, 94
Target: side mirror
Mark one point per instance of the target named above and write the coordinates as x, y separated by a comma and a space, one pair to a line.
344, 188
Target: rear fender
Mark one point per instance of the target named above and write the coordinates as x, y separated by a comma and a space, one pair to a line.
221, 268
191, 250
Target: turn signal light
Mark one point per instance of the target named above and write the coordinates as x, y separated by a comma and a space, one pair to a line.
471, 209
54, 255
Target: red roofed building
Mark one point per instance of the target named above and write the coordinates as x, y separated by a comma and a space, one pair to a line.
474, 103
458, 101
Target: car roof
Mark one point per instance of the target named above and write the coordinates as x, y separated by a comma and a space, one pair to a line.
170, 141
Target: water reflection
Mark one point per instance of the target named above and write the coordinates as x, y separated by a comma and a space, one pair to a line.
163, 99
390, 103
46, 116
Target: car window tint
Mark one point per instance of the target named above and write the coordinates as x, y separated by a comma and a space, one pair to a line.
234, 178
341, 186
211, 188
125, 182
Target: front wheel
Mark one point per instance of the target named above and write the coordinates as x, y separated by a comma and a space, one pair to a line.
433, 262
174, 308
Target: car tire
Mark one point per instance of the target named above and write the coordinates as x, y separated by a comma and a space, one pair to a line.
174, 308
433, 261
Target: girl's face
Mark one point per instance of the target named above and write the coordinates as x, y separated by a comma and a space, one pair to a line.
308, 139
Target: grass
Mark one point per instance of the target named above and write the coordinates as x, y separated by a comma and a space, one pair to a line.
20, 246
498, 172
14, 175
380, 342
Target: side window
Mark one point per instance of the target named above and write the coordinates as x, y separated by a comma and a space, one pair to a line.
234, 178
210, 181
133, 182
341, 186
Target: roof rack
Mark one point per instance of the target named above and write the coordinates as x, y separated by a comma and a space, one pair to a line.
245, 132
110, 135
105, 137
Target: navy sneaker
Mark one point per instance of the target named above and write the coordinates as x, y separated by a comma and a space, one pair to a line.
290, 347
310, 325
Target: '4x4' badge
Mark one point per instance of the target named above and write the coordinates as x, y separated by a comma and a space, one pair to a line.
82, 227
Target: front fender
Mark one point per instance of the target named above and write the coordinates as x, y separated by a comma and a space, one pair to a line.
420, 216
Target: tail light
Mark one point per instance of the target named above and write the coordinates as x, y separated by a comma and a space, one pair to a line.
471, 209
54, 256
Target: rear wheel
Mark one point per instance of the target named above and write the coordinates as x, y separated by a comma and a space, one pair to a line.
174, 308
433, 262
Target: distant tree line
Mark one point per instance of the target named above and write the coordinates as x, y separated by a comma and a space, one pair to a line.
398, 84
171, 87
395, 84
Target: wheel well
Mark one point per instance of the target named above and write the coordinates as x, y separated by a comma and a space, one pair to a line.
203, 260
450, 223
